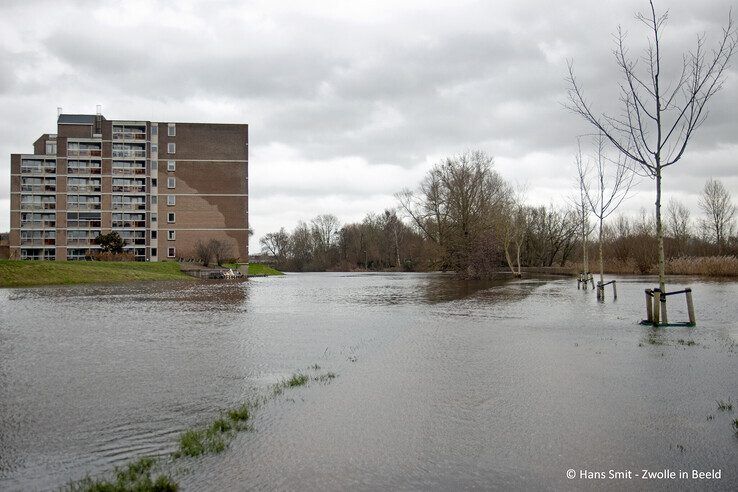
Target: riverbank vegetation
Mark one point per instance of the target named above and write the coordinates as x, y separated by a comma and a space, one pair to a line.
18, 273
452, 222
260, 269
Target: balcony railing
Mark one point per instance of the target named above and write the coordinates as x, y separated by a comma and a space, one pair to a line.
129, 170
129, 153
81, 241
38, 241
38, 224
38, 169
83, 224
37, 206
129, 224
91, 188
84, 152
129, 189
126, 135
38, 188
84, 170
129, 206
83, 206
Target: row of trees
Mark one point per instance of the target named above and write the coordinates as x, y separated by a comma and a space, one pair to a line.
465, 217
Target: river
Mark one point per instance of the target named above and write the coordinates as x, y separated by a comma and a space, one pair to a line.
442, 384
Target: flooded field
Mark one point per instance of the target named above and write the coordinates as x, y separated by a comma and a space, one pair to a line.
441, 384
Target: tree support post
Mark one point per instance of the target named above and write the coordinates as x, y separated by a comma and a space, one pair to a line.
656, 306
649, 305
690, 306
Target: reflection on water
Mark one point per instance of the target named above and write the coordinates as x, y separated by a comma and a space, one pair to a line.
443, 383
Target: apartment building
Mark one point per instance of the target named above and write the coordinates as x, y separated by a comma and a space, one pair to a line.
162, 186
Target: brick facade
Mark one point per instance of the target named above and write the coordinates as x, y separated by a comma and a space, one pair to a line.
96, 175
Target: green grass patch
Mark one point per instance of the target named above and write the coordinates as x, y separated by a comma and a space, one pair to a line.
260, 269
297, 379
240, 414
136, 476
18, 273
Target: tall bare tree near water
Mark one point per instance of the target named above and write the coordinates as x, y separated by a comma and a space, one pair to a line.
455, 207
658, 117
604, 184
717, 204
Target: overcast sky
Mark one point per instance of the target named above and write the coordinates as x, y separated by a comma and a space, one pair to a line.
348, 103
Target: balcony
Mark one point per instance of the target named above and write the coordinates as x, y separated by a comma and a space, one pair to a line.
37, 206
38, 224
83, 206
129, 206
84, 170
47, 169
122, 171
129, 189
38, 188
129, 135
84, 152
130, 153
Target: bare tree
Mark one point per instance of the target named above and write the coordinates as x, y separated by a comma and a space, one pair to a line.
606, 191
203, 252
220, 250
658, 118
276, 244
455, 206
717, 203
514, 218
678, 225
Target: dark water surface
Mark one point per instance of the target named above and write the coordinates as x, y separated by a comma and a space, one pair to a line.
442, 384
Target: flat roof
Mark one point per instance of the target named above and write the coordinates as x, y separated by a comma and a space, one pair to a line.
76, 119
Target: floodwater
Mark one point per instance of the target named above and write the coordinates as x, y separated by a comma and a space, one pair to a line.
442, 384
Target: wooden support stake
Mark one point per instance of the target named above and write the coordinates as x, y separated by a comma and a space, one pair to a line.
614, 290
649, 305
690, 306
663, 308
592, 279
656, 306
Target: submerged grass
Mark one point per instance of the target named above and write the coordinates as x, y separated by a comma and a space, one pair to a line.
136, 476
215, 437
724, 406
210, 439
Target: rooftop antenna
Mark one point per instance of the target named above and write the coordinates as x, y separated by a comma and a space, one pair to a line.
99, 109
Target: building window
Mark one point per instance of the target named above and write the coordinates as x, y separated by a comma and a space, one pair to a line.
153, 252
153, 234
154, 200
153, 182
171, 235
171, 182
153, 218
171, 252
50, 148
171, 200
154, 131
171, 166
172, 129
170, 217
171, 148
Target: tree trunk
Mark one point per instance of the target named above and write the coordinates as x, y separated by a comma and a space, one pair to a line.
660, 231
602, 264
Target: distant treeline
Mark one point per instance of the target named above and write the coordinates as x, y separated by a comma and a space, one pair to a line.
464, 217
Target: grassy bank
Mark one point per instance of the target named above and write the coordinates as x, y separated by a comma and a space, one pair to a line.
261, 269
15, 273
